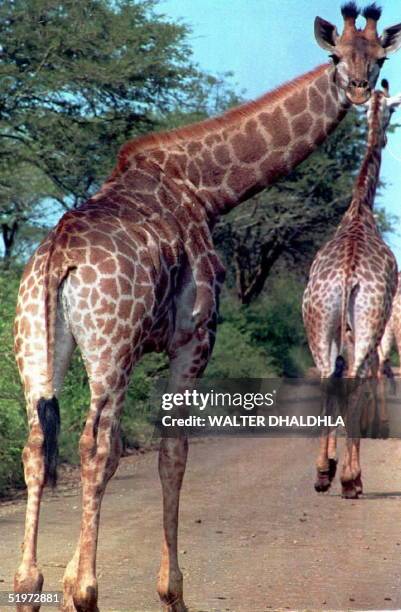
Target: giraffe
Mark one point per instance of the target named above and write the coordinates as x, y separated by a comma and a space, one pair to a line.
392, 332
134, 270
347, 301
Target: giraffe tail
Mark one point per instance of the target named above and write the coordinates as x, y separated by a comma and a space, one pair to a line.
55, 270
341, 363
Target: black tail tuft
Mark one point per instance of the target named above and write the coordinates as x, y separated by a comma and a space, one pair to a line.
339, 367
49, 418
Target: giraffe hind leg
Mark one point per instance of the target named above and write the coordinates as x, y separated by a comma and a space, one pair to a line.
332, 368
40, 453
100, 450
188, 362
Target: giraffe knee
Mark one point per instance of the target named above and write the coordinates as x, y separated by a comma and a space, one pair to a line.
32, 457
173, 454
87, 446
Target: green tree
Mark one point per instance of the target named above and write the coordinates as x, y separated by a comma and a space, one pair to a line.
78, 79
25, 203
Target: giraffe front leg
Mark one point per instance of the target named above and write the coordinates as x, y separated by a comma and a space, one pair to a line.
356, 467
384, 372
188, 362
323, 482
172, 461
28, 578
351, 477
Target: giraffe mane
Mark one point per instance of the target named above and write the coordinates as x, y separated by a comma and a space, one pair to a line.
202, 128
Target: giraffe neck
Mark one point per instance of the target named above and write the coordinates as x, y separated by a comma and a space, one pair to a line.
224, 161
368, 177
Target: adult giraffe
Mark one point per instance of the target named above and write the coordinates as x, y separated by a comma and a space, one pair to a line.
347, 301
134, 270
392, 333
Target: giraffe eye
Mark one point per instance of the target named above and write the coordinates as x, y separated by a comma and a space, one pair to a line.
381, 61
335, 58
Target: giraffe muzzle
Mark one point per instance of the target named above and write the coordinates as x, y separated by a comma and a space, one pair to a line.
358, 92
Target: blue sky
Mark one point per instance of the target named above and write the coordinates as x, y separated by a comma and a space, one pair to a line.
267, 42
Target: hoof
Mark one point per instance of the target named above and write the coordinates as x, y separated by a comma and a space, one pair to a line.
358, 485
177, 606
68, 606
380, 429
323, 481
68, 602
170, 592
384, 429
332, 469
375, 430
349, 490
85, 599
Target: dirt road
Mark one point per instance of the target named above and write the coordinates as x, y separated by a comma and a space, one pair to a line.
254, 534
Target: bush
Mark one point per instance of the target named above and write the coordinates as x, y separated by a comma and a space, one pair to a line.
274, 325
236, 356
12, 404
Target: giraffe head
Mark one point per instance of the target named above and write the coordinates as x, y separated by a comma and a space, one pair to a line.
357, 54
380, 107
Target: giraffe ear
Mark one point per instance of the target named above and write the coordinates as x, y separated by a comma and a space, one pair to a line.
326, 34
394, 102
391, 38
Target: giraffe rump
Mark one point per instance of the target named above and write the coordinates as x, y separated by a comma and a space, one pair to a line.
49, 419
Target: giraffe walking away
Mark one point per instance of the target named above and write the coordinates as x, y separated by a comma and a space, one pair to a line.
392, 332
134, 270
347, 301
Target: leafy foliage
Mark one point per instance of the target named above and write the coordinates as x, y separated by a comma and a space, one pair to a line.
273, 325
78, 79
12, 405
